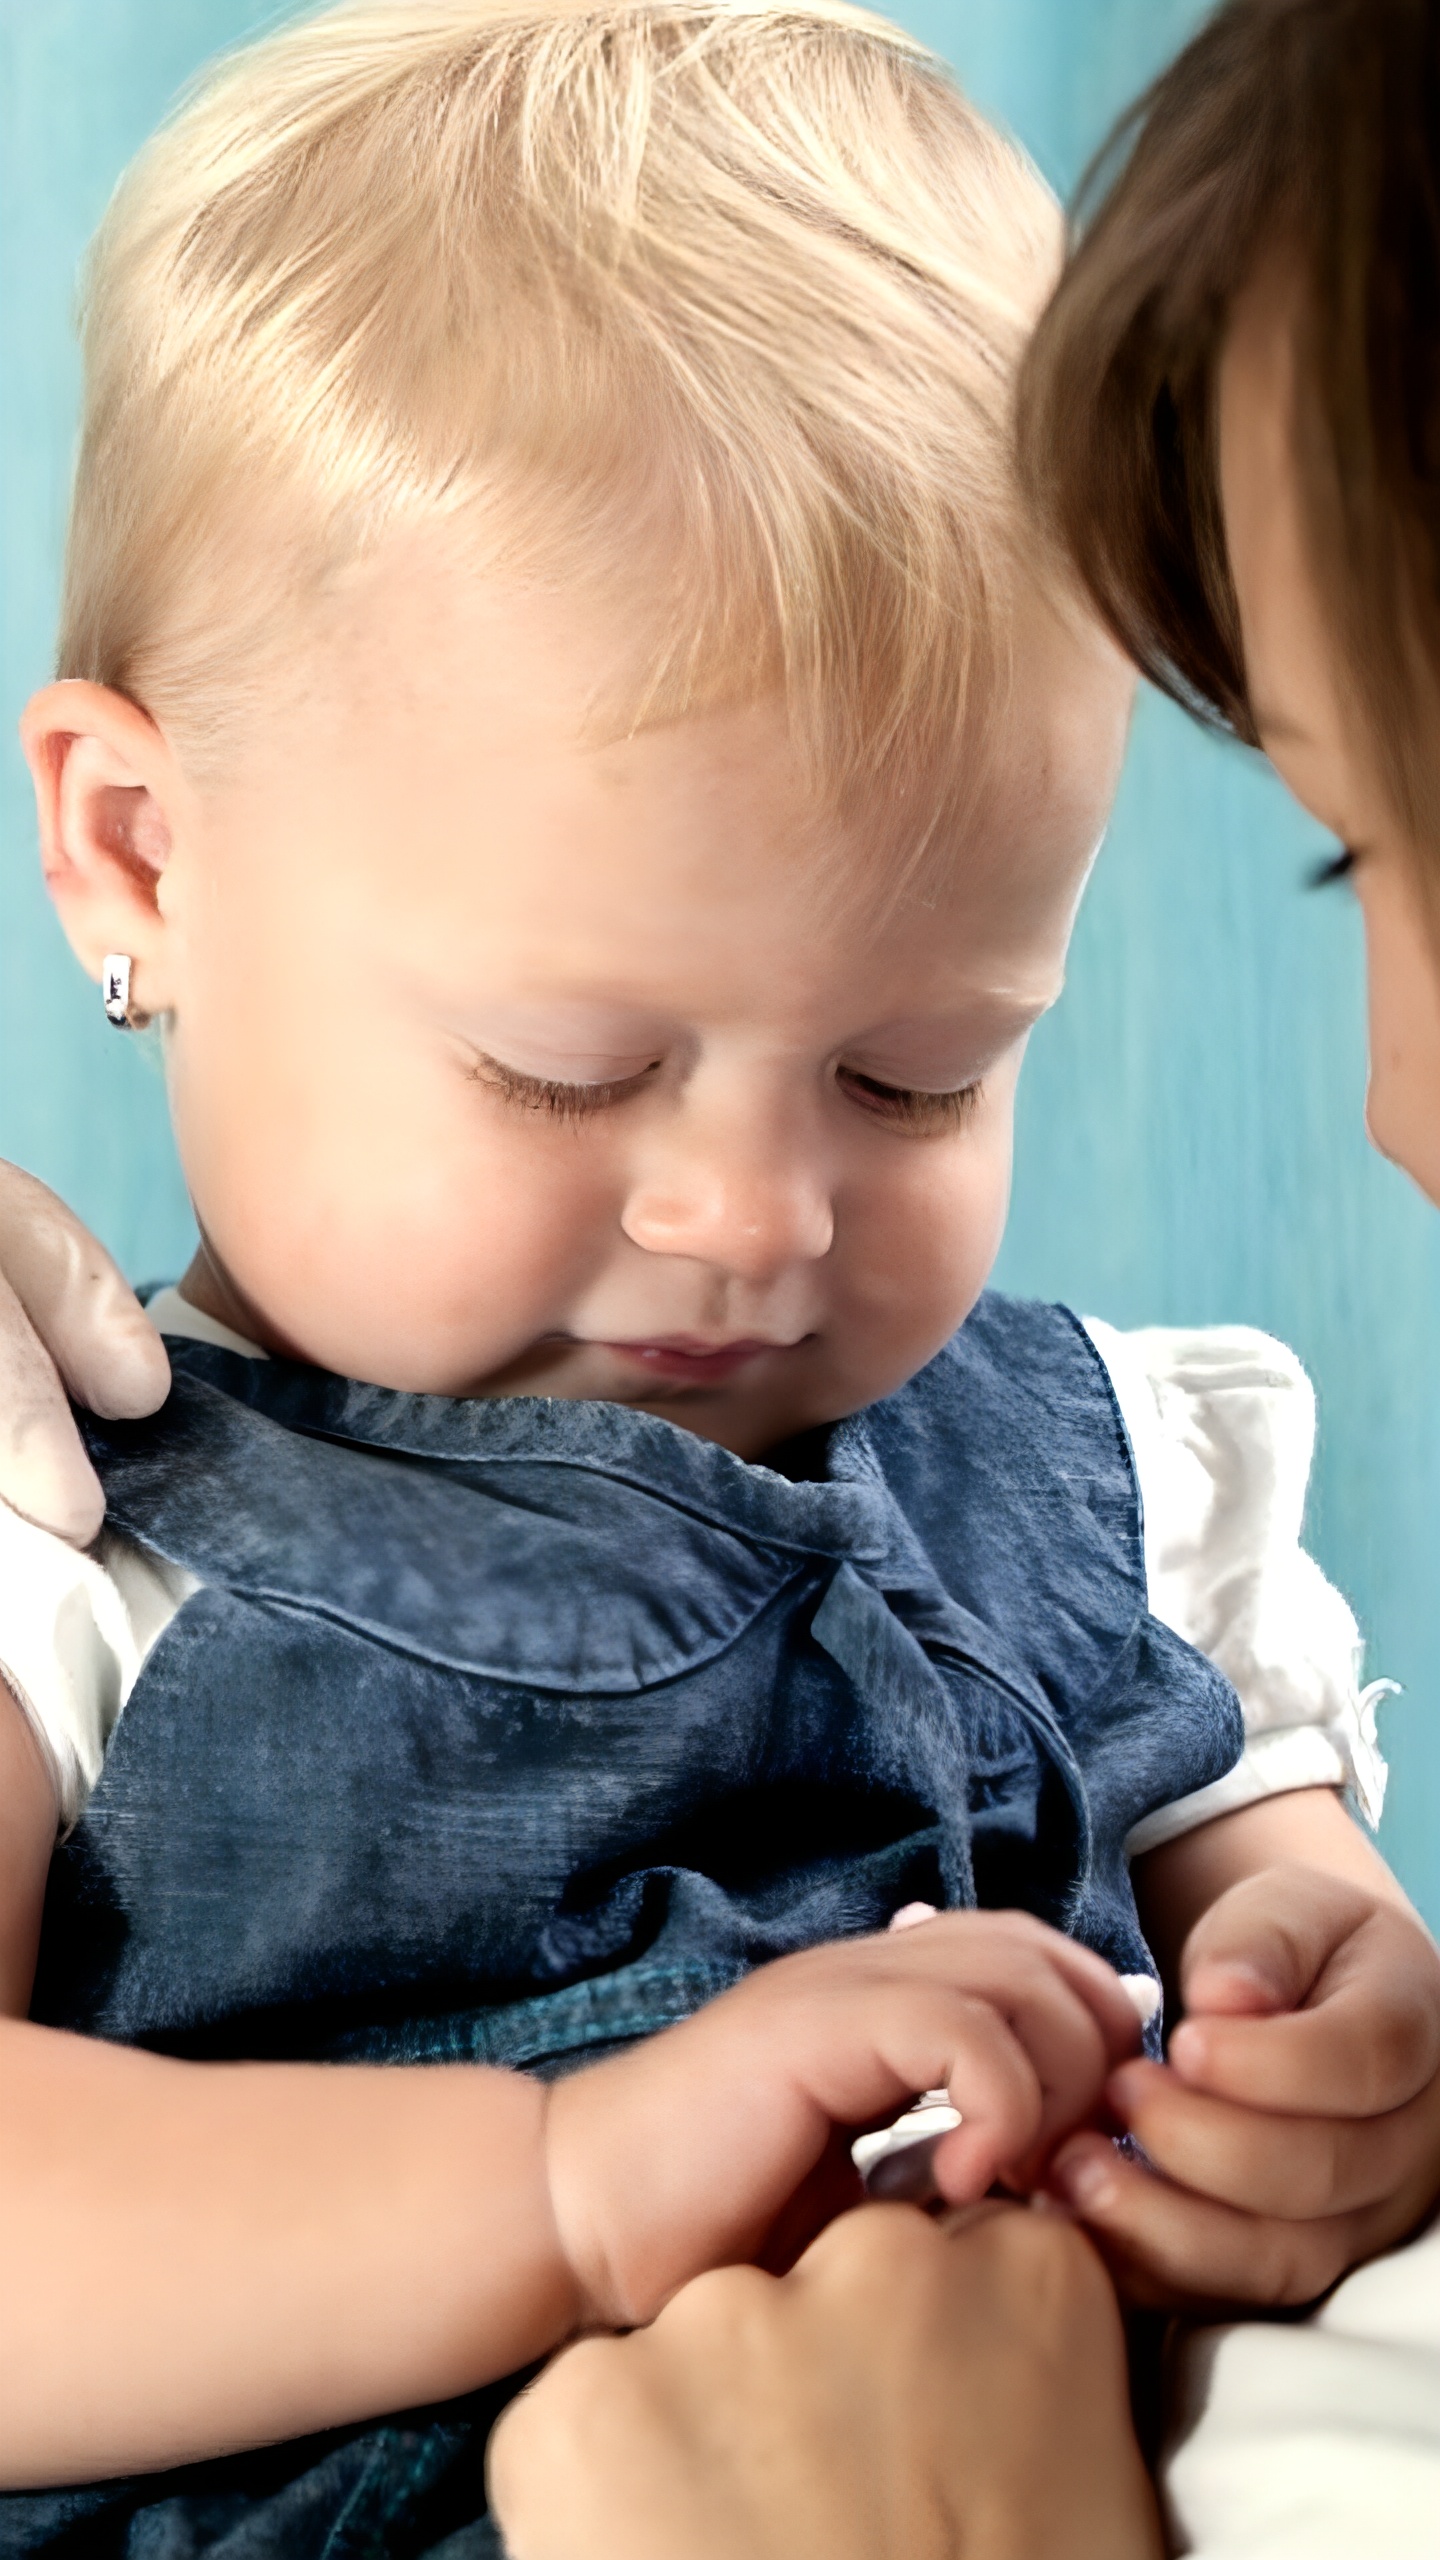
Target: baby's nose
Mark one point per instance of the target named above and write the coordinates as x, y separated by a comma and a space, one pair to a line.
751, 1221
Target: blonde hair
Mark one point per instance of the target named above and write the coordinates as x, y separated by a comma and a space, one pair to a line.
753, 275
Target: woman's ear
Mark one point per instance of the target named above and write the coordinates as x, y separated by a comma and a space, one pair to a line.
107, 789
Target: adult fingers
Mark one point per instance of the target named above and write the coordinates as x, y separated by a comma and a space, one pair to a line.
902, 2394
44, 1471
584, 2461
77, 1303
994, 2339
1365, 2040
1170, 2248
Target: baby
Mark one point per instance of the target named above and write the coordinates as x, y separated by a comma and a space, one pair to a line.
564, 724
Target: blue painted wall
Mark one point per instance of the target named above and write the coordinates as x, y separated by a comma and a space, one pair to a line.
1191, 1146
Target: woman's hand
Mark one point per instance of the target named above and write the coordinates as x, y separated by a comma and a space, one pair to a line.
68, 1326
910, 2391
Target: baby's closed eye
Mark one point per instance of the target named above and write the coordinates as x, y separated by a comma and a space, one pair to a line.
907, 1107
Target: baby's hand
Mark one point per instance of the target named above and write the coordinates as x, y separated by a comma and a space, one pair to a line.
685, 2153
1297, 2123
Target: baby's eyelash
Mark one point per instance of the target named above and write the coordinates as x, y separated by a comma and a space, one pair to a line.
1335, 866
920, 1115
546, 1095
904, 1107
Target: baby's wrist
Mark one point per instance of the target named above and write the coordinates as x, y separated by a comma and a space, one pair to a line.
567, 2170
493, 2166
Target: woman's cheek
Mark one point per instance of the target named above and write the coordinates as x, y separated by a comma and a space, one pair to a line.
1402, 1112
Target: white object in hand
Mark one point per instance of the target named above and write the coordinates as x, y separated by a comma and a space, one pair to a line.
895, 2163
1143, 1993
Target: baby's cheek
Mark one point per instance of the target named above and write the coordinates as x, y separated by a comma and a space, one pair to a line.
924, 1253
948, 1229
450, 1272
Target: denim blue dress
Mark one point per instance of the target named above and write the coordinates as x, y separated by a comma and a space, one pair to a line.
514, 1731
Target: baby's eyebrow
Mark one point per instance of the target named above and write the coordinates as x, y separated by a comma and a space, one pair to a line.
980, 1028
587, 1022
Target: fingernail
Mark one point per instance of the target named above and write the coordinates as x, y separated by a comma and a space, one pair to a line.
1187, 2048
1233, 1986
1042, 2200
1086, 2181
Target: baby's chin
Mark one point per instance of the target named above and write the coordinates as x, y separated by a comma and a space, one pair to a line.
757, 1402
748, 1396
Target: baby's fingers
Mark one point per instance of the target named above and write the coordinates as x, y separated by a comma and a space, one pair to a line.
1175, 2250
1296, 2168
1364, 2037
1010, 1958
1022, 2078
1001, 2099
980, 2012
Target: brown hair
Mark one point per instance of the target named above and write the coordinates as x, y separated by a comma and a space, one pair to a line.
1309, 128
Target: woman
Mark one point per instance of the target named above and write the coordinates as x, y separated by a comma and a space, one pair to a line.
1235, 423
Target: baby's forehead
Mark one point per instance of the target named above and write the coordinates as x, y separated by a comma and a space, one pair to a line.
576, 895
484, 687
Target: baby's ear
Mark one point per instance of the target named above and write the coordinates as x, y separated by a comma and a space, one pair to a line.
105, 786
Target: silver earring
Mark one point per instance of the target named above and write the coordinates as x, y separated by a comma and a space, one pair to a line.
115, 989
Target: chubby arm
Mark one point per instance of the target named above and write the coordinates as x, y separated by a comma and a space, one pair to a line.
27, 1836
247, 2252
251, 2251
1297, 2121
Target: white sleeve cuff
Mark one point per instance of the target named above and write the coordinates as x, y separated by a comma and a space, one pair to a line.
1222, 1425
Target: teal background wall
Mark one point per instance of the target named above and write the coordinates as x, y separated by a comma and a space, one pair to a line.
1191, 1145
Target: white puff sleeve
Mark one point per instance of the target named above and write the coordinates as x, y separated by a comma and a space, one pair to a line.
74, 1631
1222, 1424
